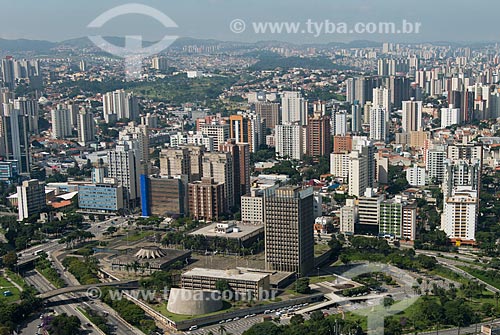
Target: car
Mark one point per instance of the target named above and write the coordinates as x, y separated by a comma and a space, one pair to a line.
246, 316
193, 327
267, 311
229, 320
41, 316
221, 321
236, 319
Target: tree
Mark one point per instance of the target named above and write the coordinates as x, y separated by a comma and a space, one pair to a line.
10, 259
317, 316
267, 328
302, 286
297, 319
64, 325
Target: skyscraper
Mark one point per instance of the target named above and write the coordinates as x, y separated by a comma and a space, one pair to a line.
175, 161
318, 136
269, 113
14, 139
339, 123
378, 124
31, 198
206, 199
289, 220
289, 141
356, 120
412, 116
293, 108
61, 123
86, 127
123, 167
219, 166
139, 133
247, 128
120, 104
240, 154
8, 72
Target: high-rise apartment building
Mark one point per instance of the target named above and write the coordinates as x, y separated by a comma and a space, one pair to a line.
123, 166
289, 141
269, 113
206, 199
219, 166
247, 128
412, 116
86, 127
378, 124
240, 154
318, 136
61, 123
293, 108
175, 162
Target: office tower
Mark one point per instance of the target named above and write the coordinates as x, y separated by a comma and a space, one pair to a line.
350, 90
159, 63
120, 104
8, 72
340, 164
289, 141
318, 136
289, 221
61, 123
348, 217
368, 212
31, 198
219, 132
358, 173
269, 113
293, 108
103, 197
339, 123
167, 195
390, 216
459, 173
219, 166
378, 124
206, 199
450, 116
14, 139
460, 213
247, 128
139, 134
360, 89
6, 96
122, 166
412, 116
240, 154
356, 119
175, 162
28, 107
415, 176
86, 127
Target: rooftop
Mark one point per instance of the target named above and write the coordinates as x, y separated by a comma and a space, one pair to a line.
233, 274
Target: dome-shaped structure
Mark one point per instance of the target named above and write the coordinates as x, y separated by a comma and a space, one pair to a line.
193, 302
150, 253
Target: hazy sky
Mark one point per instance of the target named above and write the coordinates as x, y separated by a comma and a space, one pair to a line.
442, 20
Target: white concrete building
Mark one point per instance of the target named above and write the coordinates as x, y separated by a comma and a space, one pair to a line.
289, 141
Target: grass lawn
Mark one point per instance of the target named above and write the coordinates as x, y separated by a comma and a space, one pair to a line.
137, 235
15, 278
320, 249
5, 285
316, 279
162, 308
480, 274
449, 274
